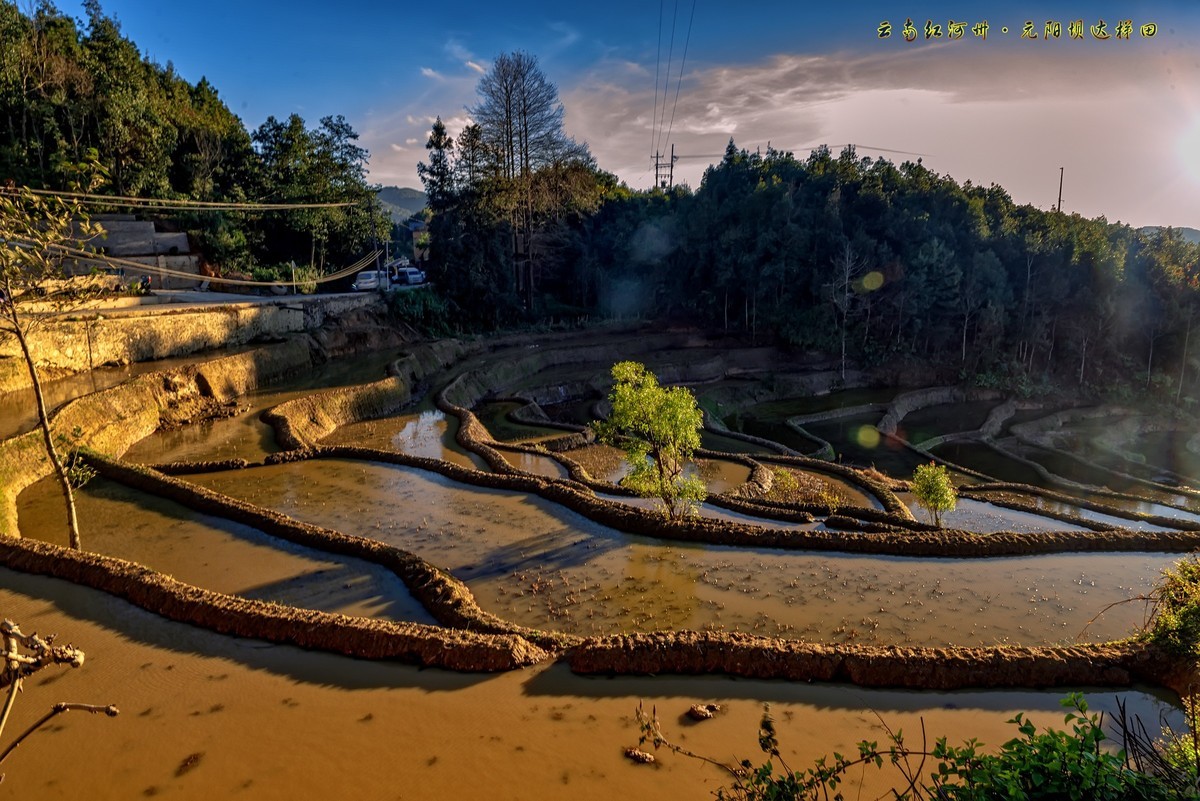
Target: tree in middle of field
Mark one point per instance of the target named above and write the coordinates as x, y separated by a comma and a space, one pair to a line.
659, 429
934, 490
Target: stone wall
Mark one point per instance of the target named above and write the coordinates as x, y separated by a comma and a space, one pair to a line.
114, 419
89, 340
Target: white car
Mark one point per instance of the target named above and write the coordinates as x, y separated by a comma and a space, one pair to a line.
370, 279
410, 276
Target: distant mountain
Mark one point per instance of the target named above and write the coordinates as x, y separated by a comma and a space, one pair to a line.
402, 202
1189, 234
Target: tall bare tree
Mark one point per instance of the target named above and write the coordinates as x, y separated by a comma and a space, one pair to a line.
35, 233
848, 269
520, 120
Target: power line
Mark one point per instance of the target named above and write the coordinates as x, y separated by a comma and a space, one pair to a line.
174, 205
679, 83
814, 147
657, 66
667, 84
137, 266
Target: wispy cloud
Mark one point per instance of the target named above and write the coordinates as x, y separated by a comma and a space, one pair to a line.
457, 50
1003, 114
1114, 118
476, 67
567, 34
430, 73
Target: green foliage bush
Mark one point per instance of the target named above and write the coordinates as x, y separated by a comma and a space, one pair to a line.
1176, 624
659, 430
424, 310
934, 490
1077, 763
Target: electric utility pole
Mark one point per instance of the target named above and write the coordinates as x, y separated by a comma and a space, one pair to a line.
664, 169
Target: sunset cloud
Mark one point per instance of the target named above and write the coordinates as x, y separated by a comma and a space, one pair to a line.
1001, 114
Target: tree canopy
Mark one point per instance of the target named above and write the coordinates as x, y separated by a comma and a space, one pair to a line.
659, 430
934, 491
66, 91
505, 194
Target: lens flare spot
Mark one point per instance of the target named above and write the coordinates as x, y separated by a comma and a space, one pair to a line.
867, 436
872, 280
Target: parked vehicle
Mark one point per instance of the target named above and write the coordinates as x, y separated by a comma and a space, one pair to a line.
371, 279
410, 276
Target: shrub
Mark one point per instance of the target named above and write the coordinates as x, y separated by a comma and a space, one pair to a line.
1053, 764
1176, 622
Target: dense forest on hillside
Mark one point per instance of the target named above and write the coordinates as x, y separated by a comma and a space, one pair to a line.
68, 91
829, 251
839, 253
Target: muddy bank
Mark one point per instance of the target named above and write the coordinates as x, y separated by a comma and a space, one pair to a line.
1055, 431
1091, 505
913, 538
443, 596
909, 402
747, 656
303, 422
411, 643
1014, 503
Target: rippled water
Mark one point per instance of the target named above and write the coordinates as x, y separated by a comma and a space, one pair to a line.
531, 561
208, 716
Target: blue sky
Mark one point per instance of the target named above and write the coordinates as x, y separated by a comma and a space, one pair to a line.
1122, 117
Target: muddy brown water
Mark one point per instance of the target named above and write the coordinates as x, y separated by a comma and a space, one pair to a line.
1168, 450
538, 564
608, 464
780, 410
774, 430
535, 463
426, 431
944, 418
720, 442
245, 435
987, 460
205, 716
495, 417
858, 442
216, 553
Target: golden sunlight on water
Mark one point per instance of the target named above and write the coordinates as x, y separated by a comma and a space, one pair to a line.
531, 561
205, 716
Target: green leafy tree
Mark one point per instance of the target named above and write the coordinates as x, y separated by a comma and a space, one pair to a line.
659, 430
934, 490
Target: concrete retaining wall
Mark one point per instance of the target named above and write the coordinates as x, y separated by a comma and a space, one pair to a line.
114, 419
93, 339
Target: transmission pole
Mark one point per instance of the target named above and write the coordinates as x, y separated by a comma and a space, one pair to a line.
1060, 182
664, 169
